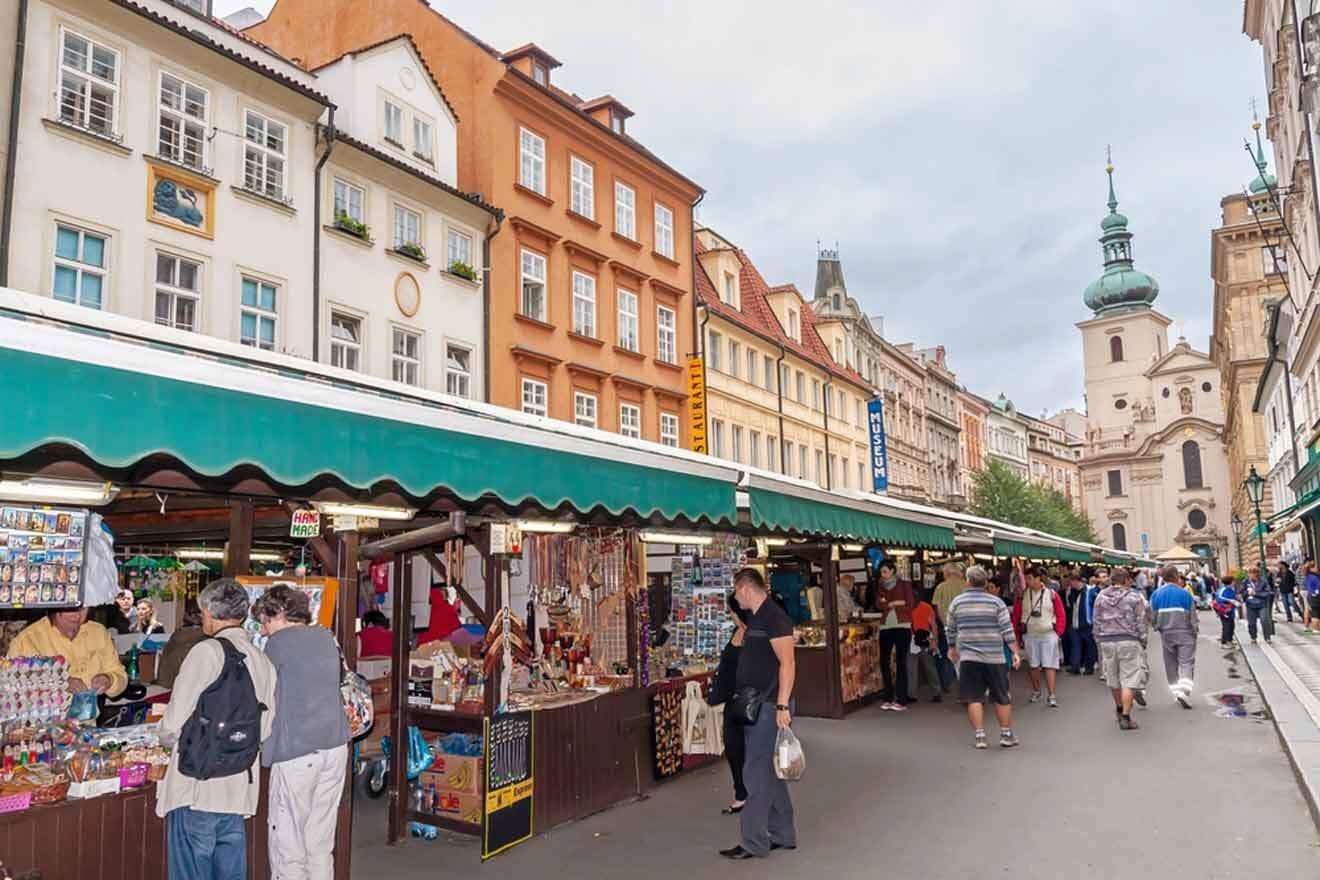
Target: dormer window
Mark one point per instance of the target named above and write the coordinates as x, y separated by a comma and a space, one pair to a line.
616, 123
394, 124
540, 73
730, 289
794, 327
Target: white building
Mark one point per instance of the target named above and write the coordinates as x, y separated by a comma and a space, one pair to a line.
402, 245
943, 442
1006, 434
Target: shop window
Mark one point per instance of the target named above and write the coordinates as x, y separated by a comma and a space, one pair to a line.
534, 397
668, 429
406, 356
79, 274
89, 84
1120, 536
182, 122
264, 151
345, 341
533, 286
178, 287
258, 316
584, 304
1191, 457
458, 371
584, 409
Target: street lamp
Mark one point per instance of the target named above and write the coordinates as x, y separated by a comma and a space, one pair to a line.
1237, 533
1255, 486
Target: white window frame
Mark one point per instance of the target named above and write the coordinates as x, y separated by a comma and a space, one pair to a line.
259, 312
530, 262
183, 119
771, 445
531, 160
630, 420
585, 409
403, 212
753, 360
669, 429
394, 138
664, 231
458, 382
584, 304
535, 397
666, 335
404, 363
735, 357
423, 142
340, 350
754, 449
81, 117
629, 335
175, 292
454, 236
582, 187
80, 268
273, 182
715, 351
625, 210
717, 437
349, 188
736, 442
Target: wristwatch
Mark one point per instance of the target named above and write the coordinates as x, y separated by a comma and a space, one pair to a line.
782, 707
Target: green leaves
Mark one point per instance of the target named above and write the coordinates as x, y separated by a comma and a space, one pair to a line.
998, 492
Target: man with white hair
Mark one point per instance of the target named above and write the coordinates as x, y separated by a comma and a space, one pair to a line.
979, 628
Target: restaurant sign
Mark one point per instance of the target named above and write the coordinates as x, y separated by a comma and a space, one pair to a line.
697, 404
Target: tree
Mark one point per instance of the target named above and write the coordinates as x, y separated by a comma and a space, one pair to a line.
999, 492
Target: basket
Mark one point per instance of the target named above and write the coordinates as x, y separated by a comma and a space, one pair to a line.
134, 775
50, 794
14, 802
156, 772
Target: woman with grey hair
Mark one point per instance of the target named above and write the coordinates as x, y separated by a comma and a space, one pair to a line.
308, 750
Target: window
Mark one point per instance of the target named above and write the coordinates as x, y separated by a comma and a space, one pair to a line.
89, 84
584, 304
664, 231
715, 351
1205, 386
345, 341
1120, 404
857, 412
861, 476
815, 394
770, 458
752, 360
1115, 483
422, 141
628, 320
754, 449
768, 373
820, 467
178, 286
838, 351
625, 210
616, 122
1196, 518
182, 126
794, 325
582, 198
1120, 536
258, 314
666, 335
717, 437
349, 201
80, 272
458, 371
1115, 348
1274, 419
405, 356
737, 443
730, 287
1274, 260
842, 413
584, 409
1191, 457
802, 462
669, 429
407, 228
533, 285
801, 387
540, 75
460, 248
735, 354
531, 151
832, 469
533, 397
263, 155
788, 458
394, 124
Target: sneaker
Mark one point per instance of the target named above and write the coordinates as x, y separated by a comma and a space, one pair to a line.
978, 739
1184, 702
1140, 697
1125, 722
1053, 703
1007, 739
886, 706
897, 707
1035, 697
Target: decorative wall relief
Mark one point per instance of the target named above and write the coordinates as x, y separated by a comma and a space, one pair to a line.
180, 199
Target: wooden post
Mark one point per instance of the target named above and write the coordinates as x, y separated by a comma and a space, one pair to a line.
829, 578
402, 630
346, 628
238, 549
494, 588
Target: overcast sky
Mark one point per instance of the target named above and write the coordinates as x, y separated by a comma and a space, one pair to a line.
957, 159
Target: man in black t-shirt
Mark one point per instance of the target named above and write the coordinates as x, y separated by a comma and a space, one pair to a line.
767, 665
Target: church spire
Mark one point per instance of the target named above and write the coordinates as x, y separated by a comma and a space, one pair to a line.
1109, 169
1121, 287
1264, 181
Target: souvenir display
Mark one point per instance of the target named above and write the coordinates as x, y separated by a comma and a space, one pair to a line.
667, 725
859, 660
699, 621
33, 690
42, 557
45, 764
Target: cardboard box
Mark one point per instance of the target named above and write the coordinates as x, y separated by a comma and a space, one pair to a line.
380, 695
463, 807
455, 773
375, 669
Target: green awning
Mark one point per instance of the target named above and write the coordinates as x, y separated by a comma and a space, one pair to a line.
1068, 554
122, 402
808, 516
1031, 549
1111, 559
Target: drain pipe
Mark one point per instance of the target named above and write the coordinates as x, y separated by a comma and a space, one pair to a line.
316, 236
699, 330
11, 160
485, 304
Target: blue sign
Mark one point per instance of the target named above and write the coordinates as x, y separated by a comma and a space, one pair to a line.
875, 415
1145, 544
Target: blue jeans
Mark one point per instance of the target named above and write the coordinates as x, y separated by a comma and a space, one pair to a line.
206, 846
1082, 653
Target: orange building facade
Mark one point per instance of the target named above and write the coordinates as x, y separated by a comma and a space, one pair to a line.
590, 313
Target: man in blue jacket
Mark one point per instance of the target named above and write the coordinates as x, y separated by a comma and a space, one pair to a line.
1258, 595
1178, 626
1080, 601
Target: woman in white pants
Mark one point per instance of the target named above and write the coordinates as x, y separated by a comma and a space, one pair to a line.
307, 752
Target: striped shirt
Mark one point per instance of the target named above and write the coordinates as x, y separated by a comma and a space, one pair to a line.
979, 625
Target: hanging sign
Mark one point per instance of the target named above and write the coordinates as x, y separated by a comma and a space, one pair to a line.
875, 415
697, 405
507, 819
306, 523
505, 539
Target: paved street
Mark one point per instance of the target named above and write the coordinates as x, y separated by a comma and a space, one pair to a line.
908, 796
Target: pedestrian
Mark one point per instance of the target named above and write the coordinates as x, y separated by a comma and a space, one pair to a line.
766, 667
1122, 617
307, 752
1312, 584
953, 585
1286, 585
925, 641
1039, 618
722, 688
1174, 611
1080, 604
980, 632
1142, 582
894, 600
204, 806
1226, 605
1259, 599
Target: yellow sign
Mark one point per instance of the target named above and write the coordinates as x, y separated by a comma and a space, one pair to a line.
697, 404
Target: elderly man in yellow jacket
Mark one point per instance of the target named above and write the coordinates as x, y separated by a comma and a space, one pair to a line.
93, 661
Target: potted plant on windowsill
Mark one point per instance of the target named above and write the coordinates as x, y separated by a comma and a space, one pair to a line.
408, 249
463, 270
356, 228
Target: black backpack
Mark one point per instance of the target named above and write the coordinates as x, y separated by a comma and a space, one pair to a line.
222, 737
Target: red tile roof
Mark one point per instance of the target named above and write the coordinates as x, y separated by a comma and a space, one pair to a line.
757, 316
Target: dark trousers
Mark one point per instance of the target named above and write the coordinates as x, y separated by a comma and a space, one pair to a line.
735, 751
768, 816
1289, 602
1082, 653
1229, 624
896, 642
1262, 616
206, 846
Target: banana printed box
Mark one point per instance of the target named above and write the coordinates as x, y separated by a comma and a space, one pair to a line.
456, 773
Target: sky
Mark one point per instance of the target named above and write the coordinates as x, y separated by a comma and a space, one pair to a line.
956, 159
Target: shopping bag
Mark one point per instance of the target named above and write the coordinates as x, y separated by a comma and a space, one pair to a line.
790, 763
355, 693
695, 713
420, 755
715, 730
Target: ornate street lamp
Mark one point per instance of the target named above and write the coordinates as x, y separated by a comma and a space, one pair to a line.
1255, 486
1237, 533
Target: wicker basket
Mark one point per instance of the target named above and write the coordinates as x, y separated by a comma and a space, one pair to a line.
156, 772
50, 794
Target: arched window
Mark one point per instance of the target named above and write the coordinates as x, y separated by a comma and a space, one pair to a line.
1191, 455
1116, 348
1120, 537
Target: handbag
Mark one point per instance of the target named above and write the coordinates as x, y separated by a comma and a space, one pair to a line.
695, 721
745, 705
355, 691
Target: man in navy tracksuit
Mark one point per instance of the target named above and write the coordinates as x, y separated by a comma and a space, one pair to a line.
1176, 622
1080, 602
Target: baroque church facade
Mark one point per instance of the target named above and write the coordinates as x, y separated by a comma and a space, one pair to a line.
1154, 468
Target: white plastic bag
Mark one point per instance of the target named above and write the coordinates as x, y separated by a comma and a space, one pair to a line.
695, 713
790, 762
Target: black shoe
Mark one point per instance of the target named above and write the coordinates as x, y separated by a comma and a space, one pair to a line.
736, 852
731, 810
775, 846
1125, 722
1140, 697
1184, 702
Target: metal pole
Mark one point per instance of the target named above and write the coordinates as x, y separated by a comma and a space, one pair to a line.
1260, 534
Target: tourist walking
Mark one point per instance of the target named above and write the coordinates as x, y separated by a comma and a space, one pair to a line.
765, 668
1175, 619
1122, 617
1079, 605
1039, 618
980, 632
1226, 606
1285, 582
722, 688
894, 600
1258, 596
1312, 585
